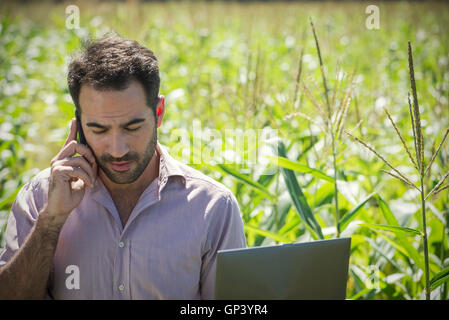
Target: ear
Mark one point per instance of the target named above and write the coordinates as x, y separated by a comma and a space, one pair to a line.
160, 110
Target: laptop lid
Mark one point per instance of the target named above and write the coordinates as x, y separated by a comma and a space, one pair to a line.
309, 270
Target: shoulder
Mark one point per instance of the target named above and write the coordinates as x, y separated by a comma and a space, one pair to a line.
203, 192
221, 208
39, 181
196, 180
37, 184
33, 195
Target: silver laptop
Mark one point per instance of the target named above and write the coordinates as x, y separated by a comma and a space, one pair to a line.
309, 270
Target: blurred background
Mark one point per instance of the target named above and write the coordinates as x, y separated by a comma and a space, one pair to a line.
247, 65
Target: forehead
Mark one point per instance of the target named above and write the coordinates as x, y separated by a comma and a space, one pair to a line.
110, 104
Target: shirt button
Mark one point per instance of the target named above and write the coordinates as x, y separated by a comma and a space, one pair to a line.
121, 244
121, 287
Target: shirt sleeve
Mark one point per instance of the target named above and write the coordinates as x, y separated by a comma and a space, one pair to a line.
225, 232
23, 215
21, 220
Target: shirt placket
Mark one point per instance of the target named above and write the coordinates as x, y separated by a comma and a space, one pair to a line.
121, 285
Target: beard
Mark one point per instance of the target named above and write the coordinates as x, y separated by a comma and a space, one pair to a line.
141, 161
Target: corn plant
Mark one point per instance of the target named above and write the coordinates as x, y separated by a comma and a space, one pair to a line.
332, 113
423, 170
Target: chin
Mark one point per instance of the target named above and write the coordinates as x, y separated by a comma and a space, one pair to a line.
121, 178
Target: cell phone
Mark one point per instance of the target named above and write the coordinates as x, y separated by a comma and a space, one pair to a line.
80, 136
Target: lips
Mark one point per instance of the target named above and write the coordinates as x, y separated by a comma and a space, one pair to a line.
121, 166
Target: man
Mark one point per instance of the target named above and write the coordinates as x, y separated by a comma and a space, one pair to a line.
123, 220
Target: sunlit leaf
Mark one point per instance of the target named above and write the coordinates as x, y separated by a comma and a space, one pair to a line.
400, 237
440, 278
242, 178
298, 198
266, 233
394, 229
292, 165
344, 221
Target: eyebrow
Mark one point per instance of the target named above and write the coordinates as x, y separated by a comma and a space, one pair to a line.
129, 123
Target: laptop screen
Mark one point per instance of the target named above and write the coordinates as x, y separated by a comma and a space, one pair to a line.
308, 270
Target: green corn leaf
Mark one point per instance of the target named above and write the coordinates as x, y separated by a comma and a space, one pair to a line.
439, 282
266, 233
290, 225
440, 278
400, 237
242, 178
10, 198
344, 221
361, 293
292, 165
393, 242
323, 195
383, 253
394, 229
298, 198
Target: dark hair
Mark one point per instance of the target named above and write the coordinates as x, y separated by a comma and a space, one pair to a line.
111, 63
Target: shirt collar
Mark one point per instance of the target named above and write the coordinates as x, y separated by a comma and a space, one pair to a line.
168, 167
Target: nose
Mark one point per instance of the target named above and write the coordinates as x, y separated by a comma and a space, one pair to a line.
118, 145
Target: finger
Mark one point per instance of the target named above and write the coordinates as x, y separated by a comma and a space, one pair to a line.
95, 170
74, 147
81, 163
77, 185
68, 173
72, 133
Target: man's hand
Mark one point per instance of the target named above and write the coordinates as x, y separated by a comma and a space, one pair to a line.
70, 175
25, 276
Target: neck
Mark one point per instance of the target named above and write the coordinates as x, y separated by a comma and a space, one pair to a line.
137, 187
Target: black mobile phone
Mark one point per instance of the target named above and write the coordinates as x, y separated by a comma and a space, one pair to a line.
80, 136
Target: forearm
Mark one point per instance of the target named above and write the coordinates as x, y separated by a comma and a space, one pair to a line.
25, 276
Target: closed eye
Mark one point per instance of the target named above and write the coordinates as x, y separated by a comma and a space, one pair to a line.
127, 129
133, 129
126, 126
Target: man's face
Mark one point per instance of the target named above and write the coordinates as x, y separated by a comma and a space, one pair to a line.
120, 129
